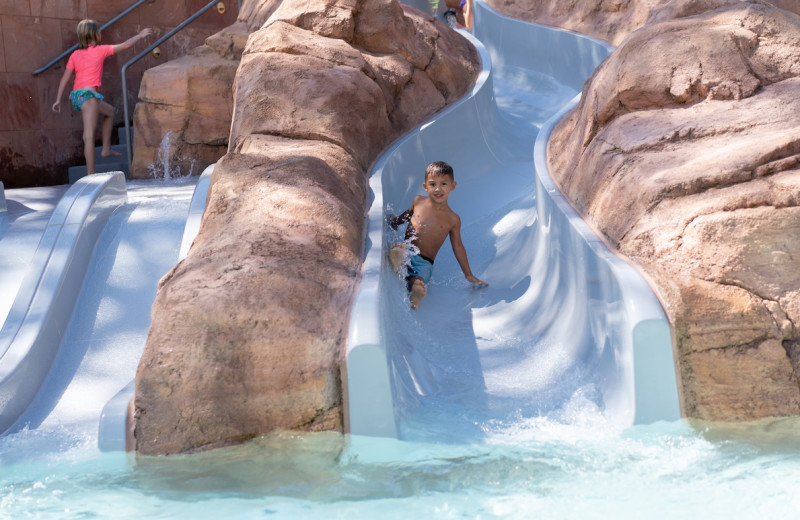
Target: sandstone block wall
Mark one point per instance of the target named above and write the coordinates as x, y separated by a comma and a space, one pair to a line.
37, 145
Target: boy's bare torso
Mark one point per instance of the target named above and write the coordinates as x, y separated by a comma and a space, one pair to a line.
429, 225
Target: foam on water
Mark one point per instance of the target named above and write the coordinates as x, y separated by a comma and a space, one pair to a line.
567, 465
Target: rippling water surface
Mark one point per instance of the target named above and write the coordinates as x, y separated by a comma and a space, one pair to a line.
571, 466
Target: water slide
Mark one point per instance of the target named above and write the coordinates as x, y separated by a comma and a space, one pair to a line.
79, 267
563, 320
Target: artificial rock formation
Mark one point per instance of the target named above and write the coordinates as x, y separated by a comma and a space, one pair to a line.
248, 331
183, 116
613, 20
684, 152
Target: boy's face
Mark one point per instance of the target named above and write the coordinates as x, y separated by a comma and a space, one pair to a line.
439, 187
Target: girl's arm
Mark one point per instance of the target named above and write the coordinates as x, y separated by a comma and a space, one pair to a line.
461, 254
61, 87
127, 44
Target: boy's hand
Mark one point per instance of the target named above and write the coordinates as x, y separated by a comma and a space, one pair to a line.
474, 279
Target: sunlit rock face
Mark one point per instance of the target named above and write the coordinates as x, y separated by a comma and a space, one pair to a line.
248, 331
613, 20
684, 152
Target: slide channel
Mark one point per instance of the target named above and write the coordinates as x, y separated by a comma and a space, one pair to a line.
564, 320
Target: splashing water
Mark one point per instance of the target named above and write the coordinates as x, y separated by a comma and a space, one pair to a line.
570, 465
163, 166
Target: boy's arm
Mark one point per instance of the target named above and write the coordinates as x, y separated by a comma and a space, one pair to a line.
461, 253
395, 221
127, 44
61, 87
403, 217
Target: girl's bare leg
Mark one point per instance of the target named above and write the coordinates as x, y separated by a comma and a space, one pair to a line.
89, 112
107, 111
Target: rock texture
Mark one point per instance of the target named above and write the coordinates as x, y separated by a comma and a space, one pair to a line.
613, 20
183, 116
248, 331
684, 152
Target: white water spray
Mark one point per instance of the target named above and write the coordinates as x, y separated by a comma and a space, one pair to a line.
163, 164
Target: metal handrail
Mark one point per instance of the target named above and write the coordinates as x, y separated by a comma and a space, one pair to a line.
142, 55
107, 24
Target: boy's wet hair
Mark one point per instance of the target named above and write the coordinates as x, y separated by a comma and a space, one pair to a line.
88, 30
439, 168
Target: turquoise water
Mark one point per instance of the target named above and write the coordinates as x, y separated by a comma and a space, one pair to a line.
570, 465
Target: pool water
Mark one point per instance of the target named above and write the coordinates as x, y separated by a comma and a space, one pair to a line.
570, 464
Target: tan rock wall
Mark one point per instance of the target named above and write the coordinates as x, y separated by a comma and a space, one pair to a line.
613, 20
248, 331
183, 116
684, 151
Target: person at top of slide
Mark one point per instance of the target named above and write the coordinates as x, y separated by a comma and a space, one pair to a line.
87, 64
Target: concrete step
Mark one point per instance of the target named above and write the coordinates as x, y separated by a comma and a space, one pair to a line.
78, 172
119, 148
106, 164
121, 135
103, 164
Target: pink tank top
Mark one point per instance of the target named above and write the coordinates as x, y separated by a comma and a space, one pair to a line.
88, 65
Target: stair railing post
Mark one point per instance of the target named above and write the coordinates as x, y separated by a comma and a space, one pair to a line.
142, 55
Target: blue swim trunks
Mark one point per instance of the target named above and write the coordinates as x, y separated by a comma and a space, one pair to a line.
79, 97
421, 267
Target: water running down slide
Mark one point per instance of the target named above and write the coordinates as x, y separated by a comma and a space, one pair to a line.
563, 319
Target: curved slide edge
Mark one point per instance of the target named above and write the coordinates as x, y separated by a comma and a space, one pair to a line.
113, 432
646, 352
639, 367
32, 333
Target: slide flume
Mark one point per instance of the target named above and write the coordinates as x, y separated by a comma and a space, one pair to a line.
563, 318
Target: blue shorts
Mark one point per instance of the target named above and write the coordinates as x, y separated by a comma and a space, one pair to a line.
79, 97
421, 267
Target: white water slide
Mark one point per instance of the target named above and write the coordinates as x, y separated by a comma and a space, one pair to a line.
562, 319
79, 269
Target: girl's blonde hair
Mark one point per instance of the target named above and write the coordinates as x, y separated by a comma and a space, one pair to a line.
88, 31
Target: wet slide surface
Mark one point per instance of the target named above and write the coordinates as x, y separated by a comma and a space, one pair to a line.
557, 328
467, 358
106, 333
463, 358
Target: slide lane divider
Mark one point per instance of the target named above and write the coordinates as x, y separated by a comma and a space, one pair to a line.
114, 431
32, 333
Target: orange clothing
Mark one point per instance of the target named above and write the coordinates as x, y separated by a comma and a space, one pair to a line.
88, 65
